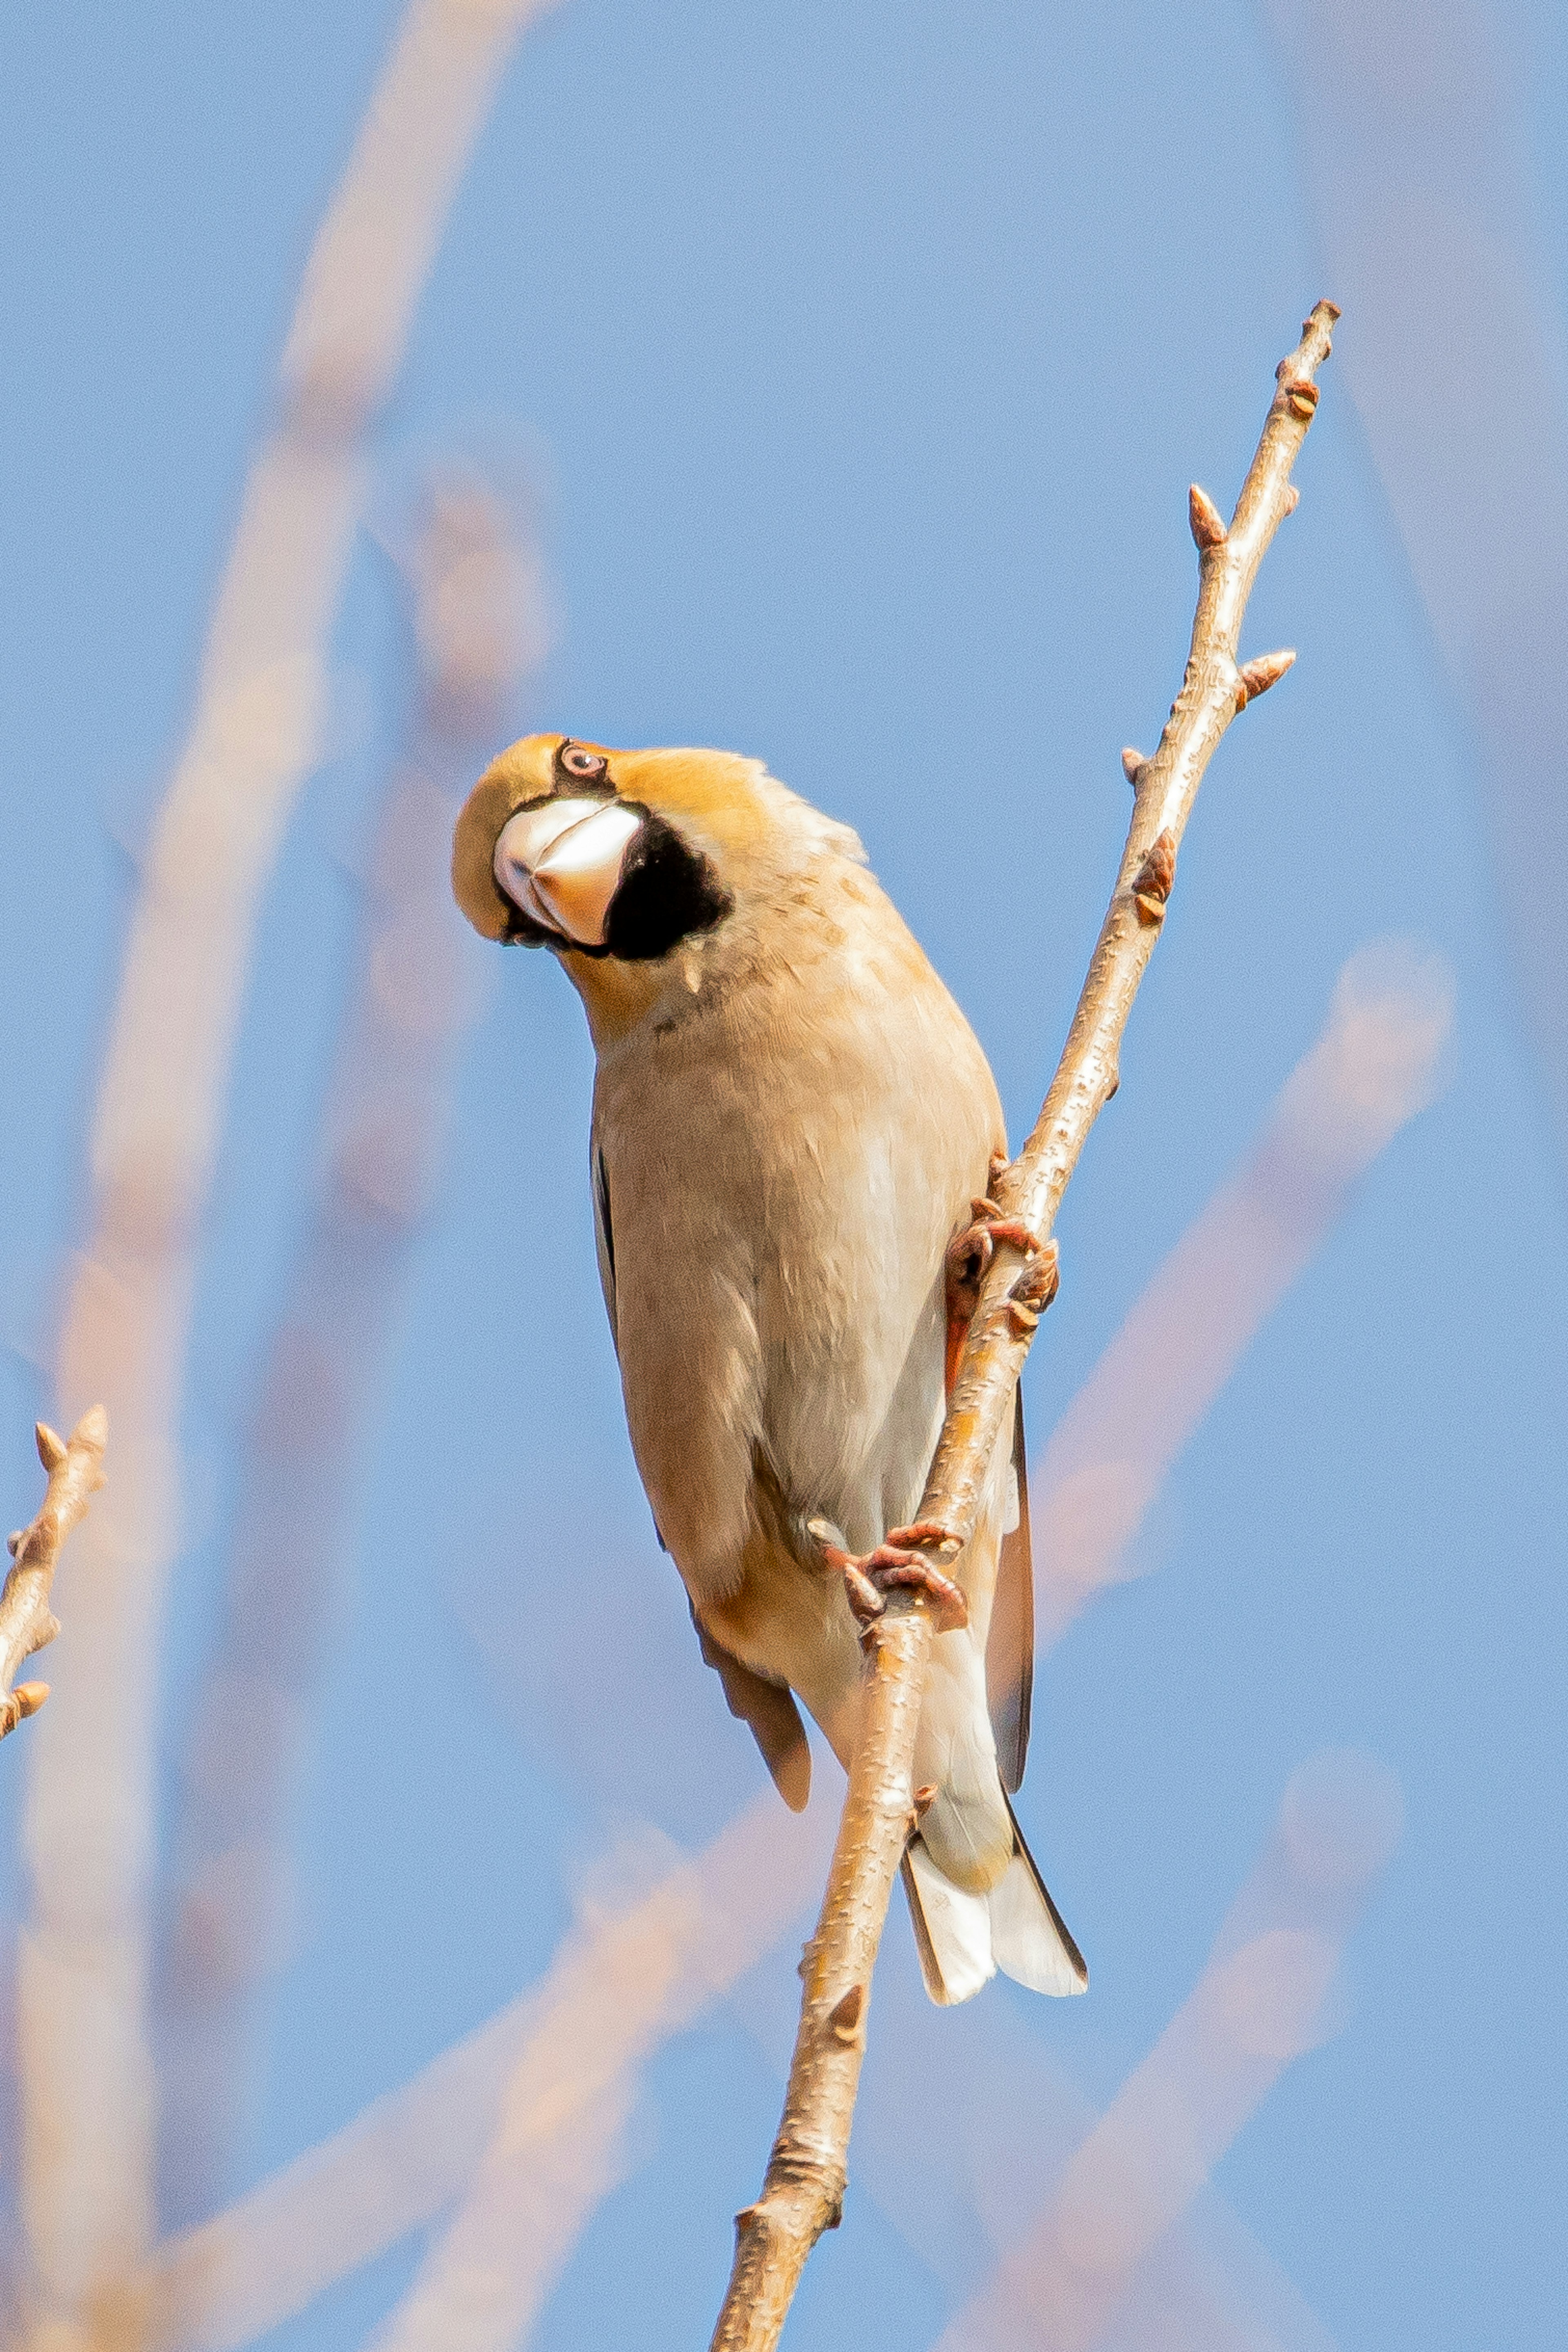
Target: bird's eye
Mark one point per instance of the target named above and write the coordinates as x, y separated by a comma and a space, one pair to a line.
578, 760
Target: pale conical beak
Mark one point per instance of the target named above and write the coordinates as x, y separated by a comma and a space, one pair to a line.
561, 864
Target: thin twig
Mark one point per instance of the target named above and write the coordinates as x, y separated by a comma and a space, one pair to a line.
75, 1465
803, 2191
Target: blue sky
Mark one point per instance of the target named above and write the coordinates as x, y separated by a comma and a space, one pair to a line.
860, 362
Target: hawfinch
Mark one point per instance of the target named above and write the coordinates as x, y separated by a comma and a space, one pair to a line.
791, 1123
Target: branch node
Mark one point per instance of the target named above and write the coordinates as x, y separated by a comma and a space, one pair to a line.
1152, 882
1301, 396
1208, 528
1255, 678
1292, 498
845, 2017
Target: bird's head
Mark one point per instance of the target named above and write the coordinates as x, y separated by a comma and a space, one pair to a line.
617, 860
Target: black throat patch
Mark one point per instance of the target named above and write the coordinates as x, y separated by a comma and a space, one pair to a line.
668, 893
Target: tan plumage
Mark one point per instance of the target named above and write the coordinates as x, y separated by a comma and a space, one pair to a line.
790, 1119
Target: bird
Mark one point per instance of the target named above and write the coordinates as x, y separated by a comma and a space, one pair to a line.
794, 1136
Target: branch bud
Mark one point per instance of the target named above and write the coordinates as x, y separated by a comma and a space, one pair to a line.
1131, 762
1207, 523
51, 1445
1255, 678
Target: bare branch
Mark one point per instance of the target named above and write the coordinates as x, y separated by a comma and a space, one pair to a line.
87, 2091
803, 2190
27, 1621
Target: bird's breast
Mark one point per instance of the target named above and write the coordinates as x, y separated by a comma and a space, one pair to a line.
787, 1156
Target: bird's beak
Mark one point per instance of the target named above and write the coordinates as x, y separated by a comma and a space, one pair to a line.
561, 864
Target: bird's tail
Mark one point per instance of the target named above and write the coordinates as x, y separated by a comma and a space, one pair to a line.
964, 1939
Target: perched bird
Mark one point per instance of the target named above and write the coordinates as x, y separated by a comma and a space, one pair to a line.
794, 1131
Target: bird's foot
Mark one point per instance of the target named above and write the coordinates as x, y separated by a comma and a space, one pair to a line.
870, 1576
969, 1253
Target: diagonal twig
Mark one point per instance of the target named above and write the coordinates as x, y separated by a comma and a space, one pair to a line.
803, 2189
75, 1465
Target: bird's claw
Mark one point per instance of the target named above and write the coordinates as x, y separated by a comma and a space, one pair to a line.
969, 1254
896, 1563
972, 1248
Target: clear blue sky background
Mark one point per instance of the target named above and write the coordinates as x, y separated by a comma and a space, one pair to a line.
865, 357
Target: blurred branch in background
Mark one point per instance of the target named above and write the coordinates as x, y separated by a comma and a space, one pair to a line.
489, 2120
1262, 2001
558, 2144
967, 2126
87, 2096
1378, 1063
477, 610
522, 2120
1415, 151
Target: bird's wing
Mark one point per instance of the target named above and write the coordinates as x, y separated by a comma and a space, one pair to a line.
1009, 1645
774, 1719
604, 1238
